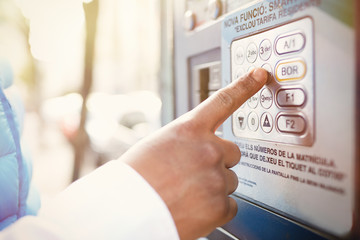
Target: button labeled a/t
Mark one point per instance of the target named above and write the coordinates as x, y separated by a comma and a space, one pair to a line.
289, 43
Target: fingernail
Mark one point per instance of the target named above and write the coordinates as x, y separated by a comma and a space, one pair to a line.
260, 75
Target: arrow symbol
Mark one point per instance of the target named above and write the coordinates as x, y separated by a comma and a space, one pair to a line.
266, 122
241, 121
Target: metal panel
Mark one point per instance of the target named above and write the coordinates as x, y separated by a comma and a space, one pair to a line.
336, 97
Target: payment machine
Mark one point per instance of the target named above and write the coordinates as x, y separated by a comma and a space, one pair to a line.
299, 135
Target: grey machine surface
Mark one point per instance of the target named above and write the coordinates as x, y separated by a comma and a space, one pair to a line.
299, 135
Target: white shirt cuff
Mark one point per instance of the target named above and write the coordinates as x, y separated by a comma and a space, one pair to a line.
113, 202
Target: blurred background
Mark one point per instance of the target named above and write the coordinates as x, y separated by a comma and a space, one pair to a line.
91, 75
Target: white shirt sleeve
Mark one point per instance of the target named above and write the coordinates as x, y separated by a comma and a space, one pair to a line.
113, 202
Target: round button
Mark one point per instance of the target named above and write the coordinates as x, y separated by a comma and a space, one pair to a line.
265, 49
239, 56
251, 68
214, 7
238, 73
253, 101
240, 120
189, 20
267, 67
253, 121
266, 122
251, 52
266, 98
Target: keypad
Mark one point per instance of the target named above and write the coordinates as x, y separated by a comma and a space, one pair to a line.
283, 110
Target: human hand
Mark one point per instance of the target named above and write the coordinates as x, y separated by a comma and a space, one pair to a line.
188, 165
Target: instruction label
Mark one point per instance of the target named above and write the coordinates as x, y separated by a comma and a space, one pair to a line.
311, 170
267, 13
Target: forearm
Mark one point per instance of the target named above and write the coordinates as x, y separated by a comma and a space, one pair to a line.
113, 202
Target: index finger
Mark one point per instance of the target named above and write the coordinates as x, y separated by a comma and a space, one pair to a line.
216, 109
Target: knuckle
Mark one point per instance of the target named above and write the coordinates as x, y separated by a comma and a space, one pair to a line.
213, 152
248, 84
225, 98
233, 153
235, 181
232, 209
187, 128
236, 150
222, 208
218, 183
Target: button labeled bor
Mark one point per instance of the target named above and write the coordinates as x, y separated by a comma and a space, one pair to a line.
289, 43
291, 124
290, 70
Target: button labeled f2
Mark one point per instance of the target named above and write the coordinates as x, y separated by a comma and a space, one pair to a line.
290, 124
